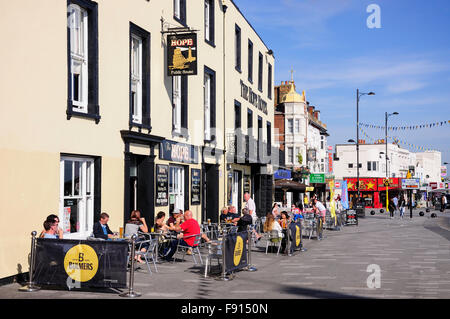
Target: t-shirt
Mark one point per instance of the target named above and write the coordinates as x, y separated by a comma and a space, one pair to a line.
190, 227
320, 207
243, 222
50, 236
252, 207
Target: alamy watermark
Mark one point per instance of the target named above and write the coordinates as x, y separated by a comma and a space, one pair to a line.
374, 19
374, 279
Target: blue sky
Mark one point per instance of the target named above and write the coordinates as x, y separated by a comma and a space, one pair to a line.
406, 62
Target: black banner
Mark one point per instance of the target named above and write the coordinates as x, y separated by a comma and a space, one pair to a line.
182, 54
296, 236
178, 152
81, 263
236, 251
162, 185
195, 186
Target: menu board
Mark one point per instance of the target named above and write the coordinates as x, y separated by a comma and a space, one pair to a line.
195, 186
162, 185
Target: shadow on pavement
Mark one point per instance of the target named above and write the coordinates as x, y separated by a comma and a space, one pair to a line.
308, 292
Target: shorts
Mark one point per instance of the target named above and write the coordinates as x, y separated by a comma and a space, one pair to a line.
322, 213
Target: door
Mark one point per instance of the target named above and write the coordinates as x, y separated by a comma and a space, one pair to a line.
211, 193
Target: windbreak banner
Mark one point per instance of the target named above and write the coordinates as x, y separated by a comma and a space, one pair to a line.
236, 251
296, 236
81, 263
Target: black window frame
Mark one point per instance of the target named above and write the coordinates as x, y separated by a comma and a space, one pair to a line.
237, 48
249, 122
269, 137
269, 80
250, 61
260, 72
212, 24
146, 75
93, 108
184, 109
212, 99
182, 19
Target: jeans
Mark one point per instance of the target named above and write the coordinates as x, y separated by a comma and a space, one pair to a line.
402, 211
173, 247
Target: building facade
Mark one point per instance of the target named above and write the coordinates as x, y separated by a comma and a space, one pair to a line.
110, 124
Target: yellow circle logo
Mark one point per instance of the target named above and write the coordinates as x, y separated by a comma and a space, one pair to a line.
297, 236
238, 249
81, 263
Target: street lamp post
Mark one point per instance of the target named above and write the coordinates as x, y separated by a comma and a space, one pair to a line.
386, 155
358, 95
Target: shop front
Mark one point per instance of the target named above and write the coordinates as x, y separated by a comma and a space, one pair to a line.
368, 188
394, 189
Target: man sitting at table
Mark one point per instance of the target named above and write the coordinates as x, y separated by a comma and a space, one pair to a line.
224, 215
101, 229
188, 228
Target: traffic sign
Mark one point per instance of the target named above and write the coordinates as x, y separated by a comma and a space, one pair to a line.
410, 183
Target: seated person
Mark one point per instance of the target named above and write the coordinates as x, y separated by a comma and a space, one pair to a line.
232, 215
53, 219
244, 221
297, 211
270, 225
101, 228
188, 228
160, 226
134, 224
175, 219
50, 230
284, 220
224, 215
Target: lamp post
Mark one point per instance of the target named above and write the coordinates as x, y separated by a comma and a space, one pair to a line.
386, 155
358, 95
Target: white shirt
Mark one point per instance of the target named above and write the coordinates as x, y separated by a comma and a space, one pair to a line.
276, 226
252, 209
320, 206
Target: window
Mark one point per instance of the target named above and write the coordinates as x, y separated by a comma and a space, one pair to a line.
179, 103
290, 155
82, 34
250, 61
209, 103
249, 122
260, 72
76, 196
237, 47
372, 166
139, 77
209, 21
269, 138
297, 126
179, 11
297, 151
290, 126
269, 81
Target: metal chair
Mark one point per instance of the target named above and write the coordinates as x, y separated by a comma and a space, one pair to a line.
149, 254
213, 253
273, 238
195, 248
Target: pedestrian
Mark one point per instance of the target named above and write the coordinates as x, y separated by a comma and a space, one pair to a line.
402, 205
391, 208
444, 203
395, 202
250, 205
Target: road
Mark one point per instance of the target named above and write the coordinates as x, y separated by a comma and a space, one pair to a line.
412, 256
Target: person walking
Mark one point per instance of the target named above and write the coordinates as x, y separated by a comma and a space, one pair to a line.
395, 202
443, 203
401, 205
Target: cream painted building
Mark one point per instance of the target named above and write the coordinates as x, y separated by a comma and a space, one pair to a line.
92, 122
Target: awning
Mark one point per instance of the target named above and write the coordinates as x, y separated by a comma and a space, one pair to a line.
289, 185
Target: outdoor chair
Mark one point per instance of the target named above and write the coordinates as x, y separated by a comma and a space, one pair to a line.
150, 254
214, 252
273, 239
194, 249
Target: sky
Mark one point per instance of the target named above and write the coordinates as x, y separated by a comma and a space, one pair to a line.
333, 52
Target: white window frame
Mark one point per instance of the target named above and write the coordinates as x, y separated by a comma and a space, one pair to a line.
207, 105
207, 20
136, 78
176, 102
176, 185
297, 126
80, 57
85, 197
290, 155
290, 125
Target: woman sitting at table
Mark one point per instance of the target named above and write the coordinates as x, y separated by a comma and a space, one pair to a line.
270, 225
135, 224
160, 226
284, 220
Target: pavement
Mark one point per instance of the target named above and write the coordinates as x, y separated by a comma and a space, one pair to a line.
379, 258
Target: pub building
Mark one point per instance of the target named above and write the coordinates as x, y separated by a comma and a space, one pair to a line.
132, 111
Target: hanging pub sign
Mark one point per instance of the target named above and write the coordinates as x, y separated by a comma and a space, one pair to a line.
195, 186
182, 54
162, 185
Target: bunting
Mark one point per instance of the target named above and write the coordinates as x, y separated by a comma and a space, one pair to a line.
404, 128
